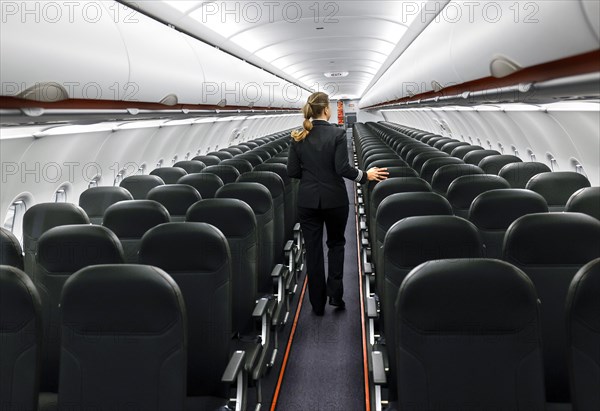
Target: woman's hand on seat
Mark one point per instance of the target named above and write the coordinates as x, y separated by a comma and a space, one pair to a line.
377, 174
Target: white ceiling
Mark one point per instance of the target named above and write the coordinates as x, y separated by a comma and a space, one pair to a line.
299, 40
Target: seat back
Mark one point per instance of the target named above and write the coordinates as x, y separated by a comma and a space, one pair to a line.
518, 174
468, 333
290, 194
586, 201
236, 220
206, 184
433, 164
583, 336
176, 198
550, 248
495, 210
41, 218
196, 256
63, 251
21, 331
252, 158
208, 160
449, 147
227, 174
410, 242
96, 200
169, 175
462, 151
222, 155
421, 158
191, 166
463, 190
241, 165
258, 197
139, 186
130, 220
557, 187
10, 250
493, 164
135, 317
445, 175
475, 157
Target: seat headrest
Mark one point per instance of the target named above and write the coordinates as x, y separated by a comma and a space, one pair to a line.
493, 164
169, 175
583, 303
191, 166
585, 200
518, 174
206, 184
394, 162
241, 165
401, 172
467, 297
445, 175
267, 178
552, 238
131, 219
256, 195
233, 217
557, 186
475, 157
398, 206
69, 248
139, 186
442, 142
232, 150
42, 217
279, 168
176, 198
208, 160
462, 151
433, 164
96, 200
10, 250
185, 247
253, 158
421, 158
397, 185
498, 209
19, 300
465, 189
223, 155
227, 173
121, 299
414, 240
449, 147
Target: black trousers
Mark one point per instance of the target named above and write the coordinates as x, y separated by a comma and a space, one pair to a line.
311, 222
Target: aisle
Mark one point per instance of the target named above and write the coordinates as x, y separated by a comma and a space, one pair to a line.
325, 366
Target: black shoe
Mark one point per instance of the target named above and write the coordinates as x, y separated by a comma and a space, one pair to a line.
318, 313
337, 302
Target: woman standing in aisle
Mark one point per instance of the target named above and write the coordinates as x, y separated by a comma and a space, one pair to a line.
318, 157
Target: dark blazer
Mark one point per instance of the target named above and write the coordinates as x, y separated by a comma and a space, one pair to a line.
320, 161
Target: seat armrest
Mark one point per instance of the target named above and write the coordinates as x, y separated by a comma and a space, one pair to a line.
234, 368
368, 268
363, 226
297, 227
372, 308
261, 308
379, 377
279, 270
289, 246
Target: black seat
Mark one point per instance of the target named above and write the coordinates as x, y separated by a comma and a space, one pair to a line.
465, 189
557, 187
462, 151
263, 154
197, 257
495, 210
241, 165
63, 251
583, 336
243, 149
518, 174
169, 175
291, 214
442, 142
222, 155
227, 174
449, 147
191, 166
475, 157
468, 338
421, 158
550, 248
130, 220
206, 184
41, 218
21, 331
232, 150
433, 164
139, 186
208, 160
445, 175
11, 253
254, 159
96, 200
135, 316
413, 241
586, 201
493, 164
394, 162
176, 198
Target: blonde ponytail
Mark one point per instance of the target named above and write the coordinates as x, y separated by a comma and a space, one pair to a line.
314, 107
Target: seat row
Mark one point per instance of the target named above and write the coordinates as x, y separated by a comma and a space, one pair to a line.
222, 252
405, 222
